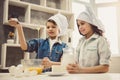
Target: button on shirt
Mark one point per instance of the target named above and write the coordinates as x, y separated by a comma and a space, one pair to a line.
93, 51
42, 48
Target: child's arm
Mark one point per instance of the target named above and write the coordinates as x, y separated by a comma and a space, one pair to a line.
14, 22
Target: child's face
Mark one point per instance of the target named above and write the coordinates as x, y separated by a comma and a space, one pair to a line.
52, 30
84, 28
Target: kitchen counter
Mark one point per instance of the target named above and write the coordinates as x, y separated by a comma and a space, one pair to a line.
99, 76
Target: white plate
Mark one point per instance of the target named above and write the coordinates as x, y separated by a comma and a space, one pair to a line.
55, 73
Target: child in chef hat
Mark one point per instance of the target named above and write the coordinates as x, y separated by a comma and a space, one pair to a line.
49, 49
93, 53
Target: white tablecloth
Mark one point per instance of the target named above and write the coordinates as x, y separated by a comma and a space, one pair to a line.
100, 76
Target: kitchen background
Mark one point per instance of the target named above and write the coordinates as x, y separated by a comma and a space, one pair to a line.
28, 12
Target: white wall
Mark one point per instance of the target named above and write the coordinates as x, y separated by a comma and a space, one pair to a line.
115, 65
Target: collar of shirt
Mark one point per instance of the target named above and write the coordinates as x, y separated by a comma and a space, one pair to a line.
94, 36
52, 42
56, 40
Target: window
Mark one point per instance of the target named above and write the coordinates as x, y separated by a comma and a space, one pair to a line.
105, 1
109, 19
85, 0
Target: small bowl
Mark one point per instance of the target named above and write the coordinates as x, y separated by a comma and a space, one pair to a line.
10, 41
32, 65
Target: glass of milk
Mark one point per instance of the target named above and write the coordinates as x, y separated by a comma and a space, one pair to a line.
68, 57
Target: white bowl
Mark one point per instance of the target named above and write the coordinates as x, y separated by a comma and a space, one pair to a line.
10, 41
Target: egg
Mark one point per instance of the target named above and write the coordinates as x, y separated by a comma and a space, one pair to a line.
12, 70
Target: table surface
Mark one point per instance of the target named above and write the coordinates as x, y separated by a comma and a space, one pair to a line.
99, 76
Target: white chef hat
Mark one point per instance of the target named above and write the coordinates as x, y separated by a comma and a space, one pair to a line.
61, 22
89, 16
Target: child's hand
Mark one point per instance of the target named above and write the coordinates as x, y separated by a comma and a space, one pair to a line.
73, 68
46, 62
13, 22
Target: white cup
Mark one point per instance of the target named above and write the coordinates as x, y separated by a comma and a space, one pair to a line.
57, 68
10, 41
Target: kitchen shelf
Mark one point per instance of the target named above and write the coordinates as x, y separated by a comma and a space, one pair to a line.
33, 14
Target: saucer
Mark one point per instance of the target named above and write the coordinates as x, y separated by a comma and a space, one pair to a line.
55, 73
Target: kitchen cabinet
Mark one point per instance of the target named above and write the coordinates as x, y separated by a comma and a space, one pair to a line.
34, 14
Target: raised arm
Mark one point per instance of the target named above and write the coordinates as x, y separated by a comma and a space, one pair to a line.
14, 23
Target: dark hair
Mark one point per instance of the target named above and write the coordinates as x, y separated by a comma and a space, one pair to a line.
52, 21
95, 30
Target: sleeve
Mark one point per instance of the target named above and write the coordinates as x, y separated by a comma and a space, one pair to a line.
32, 45
64, 45
104, 51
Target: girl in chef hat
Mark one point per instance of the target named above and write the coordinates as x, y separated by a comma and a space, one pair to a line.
49, 49
93, 53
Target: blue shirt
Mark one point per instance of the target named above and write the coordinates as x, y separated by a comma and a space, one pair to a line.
42, 48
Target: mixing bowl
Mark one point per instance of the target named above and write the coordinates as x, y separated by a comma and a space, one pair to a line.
32, 65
